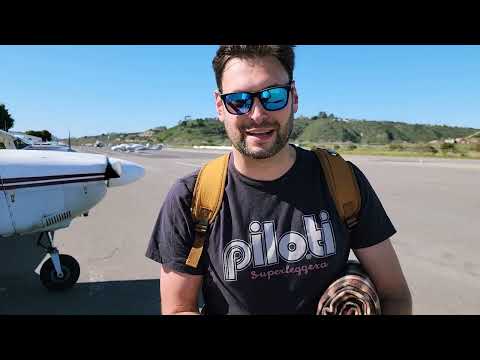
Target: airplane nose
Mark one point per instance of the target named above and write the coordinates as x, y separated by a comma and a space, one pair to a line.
123, 172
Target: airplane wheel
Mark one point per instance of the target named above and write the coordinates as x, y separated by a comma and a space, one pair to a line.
70, 269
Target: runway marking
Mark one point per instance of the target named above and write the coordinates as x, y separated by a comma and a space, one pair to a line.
188, 164
432, 164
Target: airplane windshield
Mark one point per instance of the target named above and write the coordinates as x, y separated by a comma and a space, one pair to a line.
19, 144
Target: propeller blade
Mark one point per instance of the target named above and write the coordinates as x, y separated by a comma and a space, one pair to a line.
114, 170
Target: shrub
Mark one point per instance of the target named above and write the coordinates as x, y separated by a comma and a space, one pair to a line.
445, 147
396, 147
475, 147
425, 149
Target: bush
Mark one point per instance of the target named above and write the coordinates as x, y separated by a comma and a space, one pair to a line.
446, 147
425, 149
351, 147
475, 147
336, 147
396, 147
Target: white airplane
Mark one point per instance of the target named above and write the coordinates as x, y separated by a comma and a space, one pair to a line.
135, 147
43, 191
121, 147
129, 147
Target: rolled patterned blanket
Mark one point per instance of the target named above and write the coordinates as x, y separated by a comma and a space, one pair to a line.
352, 294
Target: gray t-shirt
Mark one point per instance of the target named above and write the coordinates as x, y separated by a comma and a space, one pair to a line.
275, 246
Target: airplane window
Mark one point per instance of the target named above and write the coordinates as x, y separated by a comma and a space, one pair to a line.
19, 144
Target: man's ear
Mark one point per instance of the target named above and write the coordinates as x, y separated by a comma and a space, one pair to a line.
219, 105
294, 97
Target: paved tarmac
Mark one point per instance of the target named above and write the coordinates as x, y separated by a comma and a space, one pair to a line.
434, 204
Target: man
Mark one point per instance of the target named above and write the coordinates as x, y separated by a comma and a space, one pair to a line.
259, 257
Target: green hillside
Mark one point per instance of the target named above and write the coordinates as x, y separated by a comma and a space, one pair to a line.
377, 132
307, 130
208, 131
474, 136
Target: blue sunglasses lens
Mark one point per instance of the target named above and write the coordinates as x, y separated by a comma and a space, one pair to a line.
238, 103
274, 99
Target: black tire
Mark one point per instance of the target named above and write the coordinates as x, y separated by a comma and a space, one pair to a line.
70, 269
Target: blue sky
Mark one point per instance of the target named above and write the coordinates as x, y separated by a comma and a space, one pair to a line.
91, 90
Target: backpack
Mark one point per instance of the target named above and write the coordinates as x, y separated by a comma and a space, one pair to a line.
210, 185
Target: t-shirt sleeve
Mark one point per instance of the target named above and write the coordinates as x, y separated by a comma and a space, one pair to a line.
374, 225
173, 232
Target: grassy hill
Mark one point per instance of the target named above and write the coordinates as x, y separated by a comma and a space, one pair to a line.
475, 136
208, 131
377, 132
307, 130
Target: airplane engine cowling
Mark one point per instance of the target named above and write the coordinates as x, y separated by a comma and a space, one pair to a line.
54, 208
79, 198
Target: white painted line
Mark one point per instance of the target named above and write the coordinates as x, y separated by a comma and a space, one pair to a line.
188, 164
433, 164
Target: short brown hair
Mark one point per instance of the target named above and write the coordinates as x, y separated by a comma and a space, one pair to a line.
284, 54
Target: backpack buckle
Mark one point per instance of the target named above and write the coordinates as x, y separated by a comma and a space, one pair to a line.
351, 222
201, 226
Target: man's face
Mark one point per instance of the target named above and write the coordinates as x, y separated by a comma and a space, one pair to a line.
260, 133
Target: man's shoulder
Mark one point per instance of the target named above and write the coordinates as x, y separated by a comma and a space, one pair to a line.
306, 158
359, 175
184, 185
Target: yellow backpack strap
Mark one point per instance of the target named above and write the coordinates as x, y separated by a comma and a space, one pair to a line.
206, 202
342, 184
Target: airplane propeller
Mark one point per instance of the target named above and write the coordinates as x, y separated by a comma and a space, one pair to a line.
121, 172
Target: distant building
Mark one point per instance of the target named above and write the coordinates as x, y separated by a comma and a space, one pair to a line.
148, 133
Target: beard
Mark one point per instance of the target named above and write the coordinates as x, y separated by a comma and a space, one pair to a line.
282, 135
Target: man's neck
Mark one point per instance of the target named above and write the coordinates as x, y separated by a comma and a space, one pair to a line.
265, 169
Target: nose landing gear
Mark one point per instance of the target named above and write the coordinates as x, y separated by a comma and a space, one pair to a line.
61, 271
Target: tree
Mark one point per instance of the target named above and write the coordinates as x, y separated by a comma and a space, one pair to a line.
6, 120
44, 134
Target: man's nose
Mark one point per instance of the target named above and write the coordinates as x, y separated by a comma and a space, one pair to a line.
258, 113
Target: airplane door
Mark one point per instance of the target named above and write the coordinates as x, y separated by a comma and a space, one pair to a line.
6, 227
